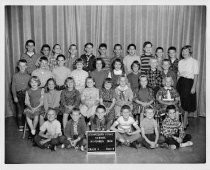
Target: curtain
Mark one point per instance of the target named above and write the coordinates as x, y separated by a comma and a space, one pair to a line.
164, 26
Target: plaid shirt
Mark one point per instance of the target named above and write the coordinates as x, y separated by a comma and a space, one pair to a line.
154, 78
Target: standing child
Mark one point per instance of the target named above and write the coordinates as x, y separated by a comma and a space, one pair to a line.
133, 77
173, 131
99, 74
45, 52
73, 56
124, 95
143, 97
125, 124
43, 72
102, 54
89, 99
30, 56
116, 71
53, 63
70, 98
145, 58
117, 53
34, 103
88, 58
50, 134
159, 54
173, 59
51, 99
79, 75
61, 72
130, 58
107, 98
19, 87
75, 130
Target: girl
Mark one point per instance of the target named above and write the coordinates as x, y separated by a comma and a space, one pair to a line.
34, 103
124, 95
53, 59
107, 98
51, 99
116, 71
70, 98
133, 77
159, 54
99, 74
89, 99
142, 97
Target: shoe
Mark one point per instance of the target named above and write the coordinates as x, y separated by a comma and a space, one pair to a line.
82, 148
53, 148
172, 147
20, 129
188, 143
62, 146
163, 145
118, 144
133, 145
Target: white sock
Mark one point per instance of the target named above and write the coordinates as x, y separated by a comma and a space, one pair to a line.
33, 131
188, 143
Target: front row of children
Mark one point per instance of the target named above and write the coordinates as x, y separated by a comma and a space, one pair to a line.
171, 134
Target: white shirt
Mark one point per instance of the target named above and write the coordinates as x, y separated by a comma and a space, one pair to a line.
125, 125
128, 60
188, 68
52, 128
60, 74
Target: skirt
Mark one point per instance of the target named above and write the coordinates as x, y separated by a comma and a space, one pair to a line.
31, 114
188, 100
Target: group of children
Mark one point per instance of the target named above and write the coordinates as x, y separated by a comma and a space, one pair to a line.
125, 94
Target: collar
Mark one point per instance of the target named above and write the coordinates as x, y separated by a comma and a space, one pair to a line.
167, 88
122, 88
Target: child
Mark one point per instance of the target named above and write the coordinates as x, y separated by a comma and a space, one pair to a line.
53, 135
89, 99
79, 75
75, 130
34, 103
133, 77
30, 56
53, 63
173, 59
145, 58
116, 71
107, 98
166, 72
100, 122
43, 73
45, 52
125, 124
117, 53
102, 54
70, 98
71, 61
88, 58
61, 72
130, 58
19, 87
159, 54
154, 76
124, 95
99, 74
173, 131
148, 127
51, 99
143, 97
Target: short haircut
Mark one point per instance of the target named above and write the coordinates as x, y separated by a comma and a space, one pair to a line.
101, 107
56, 45
89, 43
99, 59
73, 45
46, 85
189, 47
125, 107
152, 58
89, 77
150, 107
131, 45
166, 60
22, 61
171, 48
69, 79
61, 55
159, 48
30, 41
43, 58
137, 63
45, 46
52, 109
103, 45
145, 43
36, 79
79, 60
170, 107
117, 45
164, 81
75, 109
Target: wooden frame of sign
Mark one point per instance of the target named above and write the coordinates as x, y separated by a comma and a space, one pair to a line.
101, 142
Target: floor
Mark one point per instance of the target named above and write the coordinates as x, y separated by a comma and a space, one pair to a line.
18, 150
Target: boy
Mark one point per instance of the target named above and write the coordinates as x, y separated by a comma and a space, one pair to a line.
19, 87
43, 73
117, 53
30, 56
61, 72
154, 76
100, 121
73, 57
102, 51
53, 135
75, 130
88, 58
173, 131
124, 123
173, 59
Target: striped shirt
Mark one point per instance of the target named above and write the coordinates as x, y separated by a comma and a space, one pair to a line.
145, 63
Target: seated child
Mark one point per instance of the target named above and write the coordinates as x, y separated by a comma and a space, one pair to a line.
100, 121
124, 124
149, 129
173, 131
70, 98
50, 134
124, 95
75, 131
